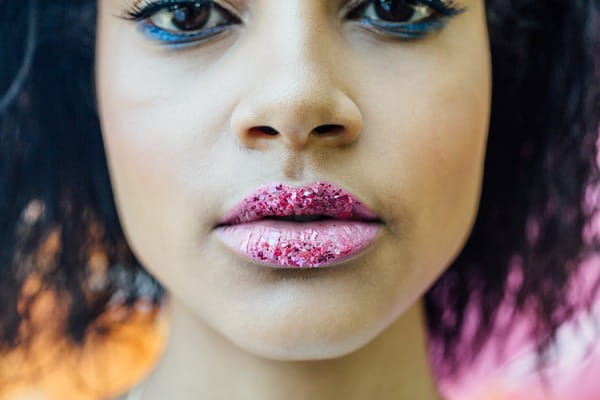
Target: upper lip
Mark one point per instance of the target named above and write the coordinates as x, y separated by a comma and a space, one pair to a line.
281, 200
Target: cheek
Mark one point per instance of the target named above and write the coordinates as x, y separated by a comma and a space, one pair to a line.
163, 123
450, 168
138, 113
437, 125
451, 159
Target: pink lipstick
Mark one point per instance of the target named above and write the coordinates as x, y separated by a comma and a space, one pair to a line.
283, 226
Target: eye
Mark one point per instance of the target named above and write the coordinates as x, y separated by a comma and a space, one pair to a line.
409, 19
177, 22
394, 10
188, 18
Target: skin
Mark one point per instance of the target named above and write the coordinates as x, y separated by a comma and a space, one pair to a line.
179, 128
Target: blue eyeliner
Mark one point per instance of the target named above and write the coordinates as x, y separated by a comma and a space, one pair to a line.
141, 13
414, 30
170, 38
405, 31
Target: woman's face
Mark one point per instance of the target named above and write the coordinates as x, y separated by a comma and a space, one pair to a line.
192, 129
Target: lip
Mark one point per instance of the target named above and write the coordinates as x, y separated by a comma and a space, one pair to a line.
263, 227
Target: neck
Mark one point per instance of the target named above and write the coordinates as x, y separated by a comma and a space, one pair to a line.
198, 363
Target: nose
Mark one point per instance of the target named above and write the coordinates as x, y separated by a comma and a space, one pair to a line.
297, 95
298, 116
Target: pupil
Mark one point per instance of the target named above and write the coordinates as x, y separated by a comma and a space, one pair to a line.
189, 18
394, 10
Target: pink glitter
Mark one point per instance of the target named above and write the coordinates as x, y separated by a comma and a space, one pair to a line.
298, 253
304, 245
320, 198
249, 231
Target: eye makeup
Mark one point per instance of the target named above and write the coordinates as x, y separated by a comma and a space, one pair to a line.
178, 22
402, 19
432, 15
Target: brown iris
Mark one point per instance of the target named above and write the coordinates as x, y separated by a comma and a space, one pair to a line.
394, 10
192, 17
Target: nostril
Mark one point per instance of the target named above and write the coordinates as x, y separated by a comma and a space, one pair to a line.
328, 128
266, 129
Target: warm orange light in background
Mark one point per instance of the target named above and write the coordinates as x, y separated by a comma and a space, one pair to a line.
51, 369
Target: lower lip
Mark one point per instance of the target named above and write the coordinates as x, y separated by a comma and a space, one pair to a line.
286, 244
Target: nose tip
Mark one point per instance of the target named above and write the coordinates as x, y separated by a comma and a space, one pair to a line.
315, 119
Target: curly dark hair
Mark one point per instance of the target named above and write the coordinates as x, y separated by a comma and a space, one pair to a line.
541, 158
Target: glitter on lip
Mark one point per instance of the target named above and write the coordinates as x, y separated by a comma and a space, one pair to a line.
248, 230
280, 200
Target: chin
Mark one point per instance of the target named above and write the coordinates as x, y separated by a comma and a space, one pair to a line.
311, 340
306, 350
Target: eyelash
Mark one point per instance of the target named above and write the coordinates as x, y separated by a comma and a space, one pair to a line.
146, 9
142, 12
441, 11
